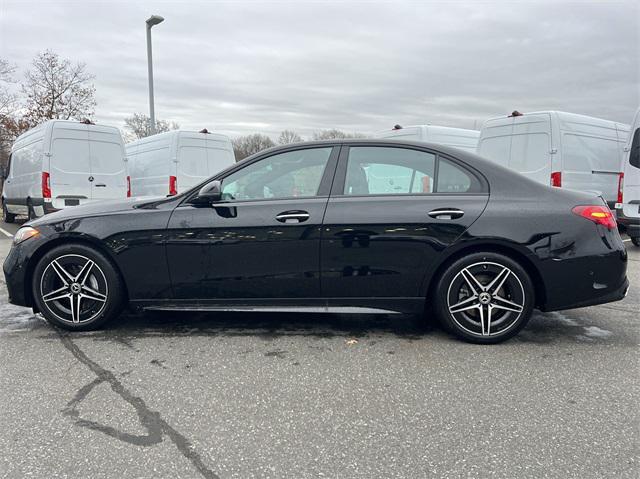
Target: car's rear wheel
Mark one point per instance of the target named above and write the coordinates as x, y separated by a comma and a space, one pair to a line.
6, 216
77, 288
636, 241
484, 298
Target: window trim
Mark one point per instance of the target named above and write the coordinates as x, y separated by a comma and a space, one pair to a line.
326, 182
337, 191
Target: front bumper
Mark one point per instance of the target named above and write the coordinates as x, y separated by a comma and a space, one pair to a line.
16, 270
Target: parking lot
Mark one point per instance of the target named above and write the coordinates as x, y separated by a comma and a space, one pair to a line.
286, 395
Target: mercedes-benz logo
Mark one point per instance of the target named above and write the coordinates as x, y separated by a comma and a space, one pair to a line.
484, 298
91, 178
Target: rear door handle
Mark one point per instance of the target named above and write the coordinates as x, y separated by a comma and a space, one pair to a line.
100, 185
293, 216
446, 213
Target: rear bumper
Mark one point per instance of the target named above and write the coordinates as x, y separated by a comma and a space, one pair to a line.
595, 275
630, 224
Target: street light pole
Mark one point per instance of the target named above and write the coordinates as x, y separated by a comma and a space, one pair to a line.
151, 21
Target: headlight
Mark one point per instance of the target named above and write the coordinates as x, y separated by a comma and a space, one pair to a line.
24, 234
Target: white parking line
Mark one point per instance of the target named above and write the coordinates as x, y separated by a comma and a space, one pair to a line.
6, 233
625, 240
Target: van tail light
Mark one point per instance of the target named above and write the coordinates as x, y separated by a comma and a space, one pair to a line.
598, 214
620, 187
128, 186
173, 185
556, 179
46, 185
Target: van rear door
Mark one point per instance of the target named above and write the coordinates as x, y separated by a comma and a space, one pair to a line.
192, 160
69, 165
531, 147
107, 164
591, 158
219, 155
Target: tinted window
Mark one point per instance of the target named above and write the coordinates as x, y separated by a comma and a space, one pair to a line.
453, 179
292, 174
388, 171
634, 154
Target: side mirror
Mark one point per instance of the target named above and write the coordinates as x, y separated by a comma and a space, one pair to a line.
210, 193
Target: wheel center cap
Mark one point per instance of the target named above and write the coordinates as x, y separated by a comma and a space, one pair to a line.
484, 298
75, 288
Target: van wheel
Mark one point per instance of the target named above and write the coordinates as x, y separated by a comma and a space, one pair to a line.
636, 241
484, 298
6, 216
77, 288
31, 213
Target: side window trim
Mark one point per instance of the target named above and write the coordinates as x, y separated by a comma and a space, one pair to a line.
337, 189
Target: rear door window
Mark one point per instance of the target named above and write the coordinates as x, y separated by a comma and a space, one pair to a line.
404, 171
70, 155
389, 171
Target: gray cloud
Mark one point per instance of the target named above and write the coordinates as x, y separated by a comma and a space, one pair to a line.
265, 66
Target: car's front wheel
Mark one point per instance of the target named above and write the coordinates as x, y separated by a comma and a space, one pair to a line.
636, 240
484, 298
77, 288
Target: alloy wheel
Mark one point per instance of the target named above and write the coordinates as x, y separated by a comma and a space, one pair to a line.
74, 288
486, 298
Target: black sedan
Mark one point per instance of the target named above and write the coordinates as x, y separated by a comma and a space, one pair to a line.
339, 226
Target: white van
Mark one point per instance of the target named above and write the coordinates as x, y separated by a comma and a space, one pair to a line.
63, 163
172, 162
558, 149
443, 135
628, 205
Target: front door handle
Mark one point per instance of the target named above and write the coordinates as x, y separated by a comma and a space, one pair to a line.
297, 216
446, 213
101, 185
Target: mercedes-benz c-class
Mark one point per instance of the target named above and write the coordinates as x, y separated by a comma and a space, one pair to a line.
338, 226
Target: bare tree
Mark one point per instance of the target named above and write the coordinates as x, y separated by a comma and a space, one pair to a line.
7, 98
335, 134
139, 126
9, 124
289, 136
57, 89
247, 145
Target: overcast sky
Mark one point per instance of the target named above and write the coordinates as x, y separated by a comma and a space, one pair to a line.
246, 66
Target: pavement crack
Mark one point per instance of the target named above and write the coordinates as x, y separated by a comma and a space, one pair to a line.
151, 421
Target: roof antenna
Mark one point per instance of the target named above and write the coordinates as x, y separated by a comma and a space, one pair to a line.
515, 113
204, 130
397, 127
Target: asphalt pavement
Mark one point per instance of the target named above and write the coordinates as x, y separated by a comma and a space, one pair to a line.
297, 396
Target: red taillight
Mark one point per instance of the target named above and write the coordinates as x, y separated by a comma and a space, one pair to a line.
598, 214
46, 185
620, 186
173, 185
128, 187
556, 179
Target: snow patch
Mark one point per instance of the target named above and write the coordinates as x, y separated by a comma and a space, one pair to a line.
596, 332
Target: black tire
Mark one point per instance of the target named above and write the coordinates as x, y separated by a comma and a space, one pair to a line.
6, 216
636, 241
98, 295
31, 213
501, 308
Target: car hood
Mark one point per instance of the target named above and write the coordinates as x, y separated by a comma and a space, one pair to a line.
99, 208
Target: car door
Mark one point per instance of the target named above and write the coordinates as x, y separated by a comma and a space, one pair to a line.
262, 241
392, 211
